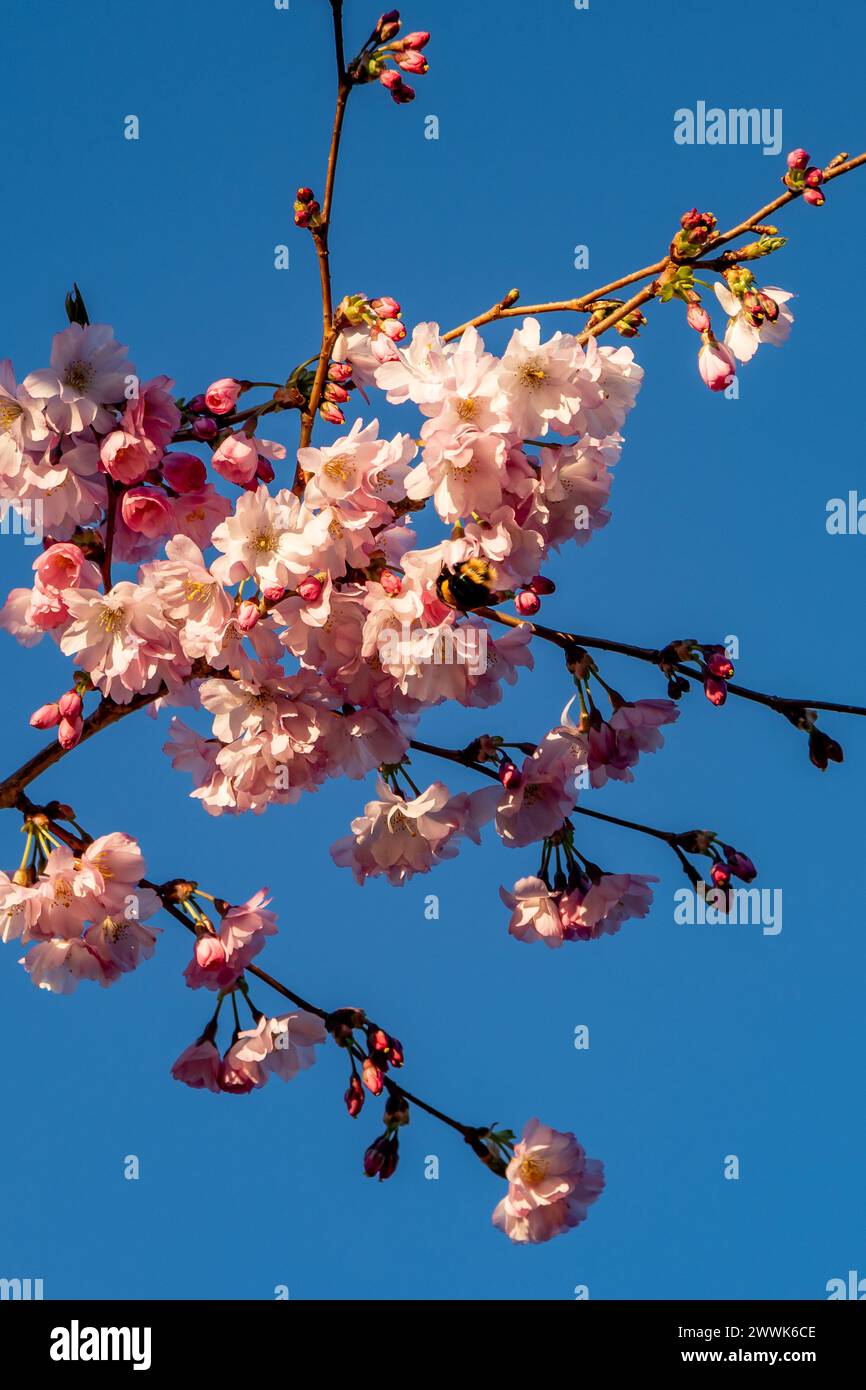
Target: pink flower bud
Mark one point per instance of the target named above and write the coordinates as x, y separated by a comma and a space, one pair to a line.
335, 392
542, 585
339, 371
797, 159
45, 717
715, 690
264, 472
274, 593
310, 589
527, 603
400, 90
814, 197
372, 1076
69, 732
210, 953
391, 583
196, 405
510, 776
236, 459
740, 864
720, 665
388, 26
716, 365
698, 318
393, 329
248, 615
147, 511
332, 413
412, 62
70, 705
354, 1096
385, 307
203, 428
814, 177
222, 396
417, 39
184, 472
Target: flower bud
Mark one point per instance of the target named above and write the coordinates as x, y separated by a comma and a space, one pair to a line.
814, 197
391, 583
769, 307
720, 665
354, 1096
184, 472
388, 26
264, 472
542, 585
45, 717
814, 177
527, 602
510, 776
385, 307
204, 428
310, 589
823, 749
410, 61
372, 1077
380, 1159
797, 159
334, 392
716, 365
393, 329
248, 615
222, 396
739, 864
698, 318
69, 732
417, 39
396, 1110
339, 372
70, 704
332, 413
720, 874
274, 593
305, 196
210, 953
196, 405
715, 690
400, 90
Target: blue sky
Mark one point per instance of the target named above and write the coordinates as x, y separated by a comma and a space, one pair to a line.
556, 129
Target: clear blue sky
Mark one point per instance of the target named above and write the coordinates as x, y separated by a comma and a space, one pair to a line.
556, 129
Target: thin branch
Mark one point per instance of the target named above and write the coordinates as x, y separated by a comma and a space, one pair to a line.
834, 170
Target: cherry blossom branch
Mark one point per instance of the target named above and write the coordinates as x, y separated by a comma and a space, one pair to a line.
320, 233
53, 813
568, 641
506, 308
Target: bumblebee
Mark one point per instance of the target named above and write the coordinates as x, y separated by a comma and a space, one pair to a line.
468, 585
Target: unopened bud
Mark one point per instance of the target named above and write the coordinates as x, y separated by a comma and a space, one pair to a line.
510, 776
354, 1096
797, 159
45, 717
814, 197
372, 1077
69, 704
69, 732
248, 615
698, 318
310, 589
527, 602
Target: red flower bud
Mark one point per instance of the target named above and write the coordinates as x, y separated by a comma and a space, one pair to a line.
797, 159
542, 585
715, 690
527, 602
354, 1096
372, 1076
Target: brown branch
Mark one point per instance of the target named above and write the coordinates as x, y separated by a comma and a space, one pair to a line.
783, 704
834, 169
321, 236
